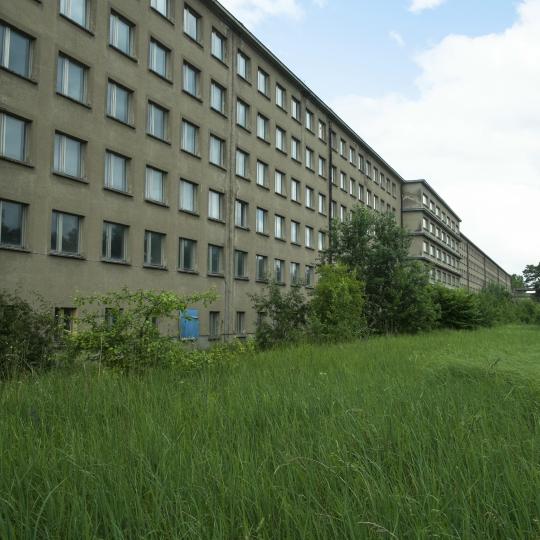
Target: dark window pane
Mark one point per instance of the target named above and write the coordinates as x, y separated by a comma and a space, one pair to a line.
12, 223
70, 234
117, 242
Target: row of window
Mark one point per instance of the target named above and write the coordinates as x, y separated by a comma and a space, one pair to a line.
441, 276
440, 254
441, 214
439, 233
66, 239
72, 81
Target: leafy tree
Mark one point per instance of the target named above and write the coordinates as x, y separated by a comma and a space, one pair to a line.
28, 336
120, 328
531, 276
517, 281
495, 305
375, 249
282, 315
459, 308
337, 306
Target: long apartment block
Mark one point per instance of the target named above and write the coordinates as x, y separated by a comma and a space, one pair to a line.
158, 144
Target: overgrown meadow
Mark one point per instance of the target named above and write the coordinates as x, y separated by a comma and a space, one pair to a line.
436, 435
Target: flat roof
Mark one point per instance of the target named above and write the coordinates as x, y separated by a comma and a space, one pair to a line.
239, 27
428, 185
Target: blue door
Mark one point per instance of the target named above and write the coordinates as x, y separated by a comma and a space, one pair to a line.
189, 324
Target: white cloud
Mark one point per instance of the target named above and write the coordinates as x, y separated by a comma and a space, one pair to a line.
420, 5
396, 37
473, 132
251, 12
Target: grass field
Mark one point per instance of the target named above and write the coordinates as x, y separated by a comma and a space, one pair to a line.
405, 437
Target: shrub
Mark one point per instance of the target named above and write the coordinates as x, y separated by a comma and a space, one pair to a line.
28, 336
495, 305
282, 316
128, 337
527, 311
458, 308
337, 306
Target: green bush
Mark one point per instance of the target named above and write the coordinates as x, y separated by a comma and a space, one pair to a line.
496, 305
336, 310
120, 328
28, 336
458, 308
282, 316
527, 311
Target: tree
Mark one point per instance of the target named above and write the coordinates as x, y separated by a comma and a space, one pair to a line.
517, 281
376, 250
531, 276
337, 306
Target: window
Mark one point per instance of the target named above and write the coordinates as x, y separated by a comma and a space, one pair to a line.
309, 158
281, 139
243, 65
12, 216
360, 163
190, 138
114, 242
343, 181
360, 193
187, 255
279, 227
368, 169
279, 270
333, 206
116, 171
240, 264
309, 120
188, 196
322, 166
218, 46
376, 175
242, 114
263, 82
281, 96
217, 151
295, 149
262, 174
68, 156
121, 34
296, 109
217, 97
215, 259
215, 205
368, 197
161, 6
394, 191
157, 121
154, 249
261, 221
333, 174
351, 186
262, 127
240, 323
309, 197
213, 325
158, 58
242, 163
119, 101
192, 24
154, 189
65, 316
192, 78
342, 147
322, 130
310, 274
261, 268
71, 78
65, 233
322, 241
426, 249
13, 137
279, 183
240, 214
322, 204
76, 10
295, 273
351, 155
295, 190
15, 50
309, 236
295, 232
424, 223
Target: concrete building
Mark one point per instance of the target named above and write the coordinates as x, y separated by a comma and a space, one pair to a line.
158, 144
435, 231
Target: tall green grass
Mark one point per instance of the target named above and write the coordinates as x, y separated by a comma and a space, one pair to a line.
407, 437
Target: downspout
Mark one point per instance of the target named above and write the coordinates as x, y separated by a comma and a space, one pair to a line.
330, 185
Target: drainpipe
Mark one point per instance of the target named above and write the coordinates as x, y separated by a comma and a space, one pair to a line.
330, 185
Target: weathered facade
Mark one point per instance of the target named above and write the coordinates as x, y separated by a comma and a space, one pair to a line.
158, 144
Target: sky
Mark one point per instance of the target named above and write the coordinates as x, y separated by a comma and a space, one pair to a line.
446, 90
